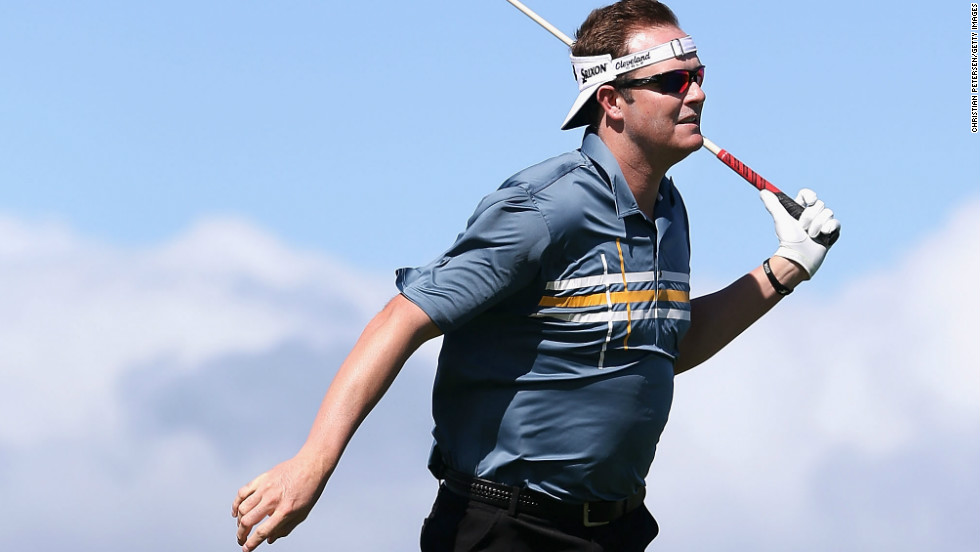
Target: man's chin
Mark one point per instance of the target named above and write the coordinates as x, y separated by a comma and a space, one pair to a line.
693, 142
687, 146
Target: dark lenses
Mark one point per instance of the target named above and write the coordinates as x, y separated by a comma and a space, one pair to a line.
676, 82
671, 82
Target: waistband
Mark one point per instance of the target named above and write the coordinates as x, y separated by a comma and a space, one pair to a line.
528, 501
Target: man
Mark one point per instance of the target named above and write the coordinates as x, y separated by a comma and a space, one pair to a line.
565, 313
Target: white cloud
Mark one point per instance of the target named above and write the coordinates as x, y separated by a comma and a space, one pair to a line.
142, 387
78, 314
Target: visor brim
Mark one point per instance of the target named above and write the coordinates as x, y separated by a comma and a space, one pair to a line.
579, 116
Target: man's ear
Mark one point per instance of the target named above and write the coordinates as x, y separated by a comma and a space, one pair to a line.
610, 102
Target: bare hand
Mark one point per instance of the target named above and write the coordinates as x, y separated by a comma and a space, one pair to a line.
285, 494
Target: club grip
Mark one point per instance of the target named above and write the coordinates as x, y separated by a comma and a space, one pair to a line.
745, 172
795, 210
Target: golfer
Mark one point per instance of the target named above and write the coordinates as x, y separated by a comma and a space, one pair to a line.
565, 312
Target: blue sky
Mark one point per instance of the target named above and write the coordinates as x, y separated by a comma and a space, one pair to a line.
370, 130
199, 201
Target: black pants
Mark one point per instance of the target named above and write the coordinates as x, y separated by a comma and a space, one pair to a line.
457, 524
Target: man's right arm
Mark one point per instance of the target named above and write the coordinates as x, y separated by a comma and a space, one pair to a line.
286, 493
718, 318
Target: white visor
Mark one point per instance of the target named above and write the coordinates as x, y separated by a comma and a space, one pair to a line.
591, 72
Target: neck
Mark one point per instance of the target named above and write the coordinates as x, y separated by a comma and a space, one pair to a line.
643, 171
644, 182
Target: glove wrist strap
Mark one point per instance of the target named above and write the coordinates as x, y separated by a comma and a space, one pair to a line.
776, 284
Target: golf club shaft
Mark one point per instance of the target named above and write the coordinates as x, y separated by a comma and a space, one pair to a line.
541, 21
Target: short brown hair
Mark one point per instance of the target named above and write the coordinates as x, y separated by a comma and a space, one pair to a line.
607, 30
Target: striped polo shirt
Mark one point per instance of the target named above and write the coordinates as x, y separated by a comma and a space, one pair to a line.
562, 306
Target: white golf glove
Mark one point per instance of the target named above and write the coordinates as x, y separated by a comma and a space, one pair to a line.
796, 237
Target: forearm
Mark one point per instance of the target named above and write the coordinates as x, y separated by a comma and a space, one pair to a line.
720, 317
363, 378
278, 500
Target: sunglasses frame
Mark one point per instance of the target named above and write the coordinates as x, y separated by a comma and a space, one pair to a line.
693, 75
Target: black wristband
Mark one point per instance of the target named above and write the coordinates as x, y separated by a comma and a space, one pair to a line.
779, 287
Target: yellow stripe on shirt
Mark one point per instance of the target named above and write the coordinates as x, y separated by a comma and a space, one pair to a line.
616, 297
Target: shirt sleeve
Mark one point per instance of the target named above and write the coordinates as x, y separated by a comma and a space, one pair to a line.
498, 253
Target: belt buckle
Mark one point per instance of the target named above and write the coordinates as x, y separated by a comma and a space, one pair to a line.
585, 518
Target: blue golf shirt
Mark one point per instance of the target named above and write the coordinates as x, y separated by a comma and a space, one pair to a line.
562, 306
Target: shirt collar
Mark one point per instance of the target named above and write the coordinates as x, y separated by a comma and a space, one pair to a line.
595, 149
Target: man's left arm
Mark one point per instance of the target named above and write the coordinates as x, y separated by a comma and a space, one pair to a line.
718, 318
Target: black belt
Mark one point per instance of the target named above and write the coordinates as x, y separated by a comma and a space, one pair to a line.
528, 501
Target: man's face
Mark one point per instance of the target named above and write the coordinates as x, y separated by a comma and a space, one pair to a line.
663, 123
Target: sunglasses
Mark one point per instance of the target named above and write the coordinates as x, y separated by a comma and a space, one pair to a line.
671, 82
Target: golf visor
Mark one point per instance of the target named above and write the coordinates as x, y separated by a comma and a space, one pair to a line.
591, 72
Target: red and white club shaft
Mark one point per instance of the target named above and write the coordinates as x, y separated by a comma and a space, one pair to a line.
727, 158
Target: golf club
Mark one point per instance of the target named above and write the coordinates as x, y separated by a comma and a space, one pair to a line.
752, 177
